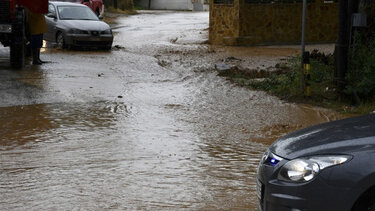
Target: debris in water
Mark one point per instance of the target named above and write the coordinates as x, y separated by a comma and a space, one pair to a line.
222, 67
174, 40
119, 47
231, 58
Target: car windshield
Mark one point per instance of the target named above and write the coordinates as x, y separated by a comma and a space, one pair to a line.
76, 13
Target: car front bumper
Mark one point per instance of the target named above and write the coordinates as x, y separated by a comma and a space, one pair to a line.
318, 194
89, 40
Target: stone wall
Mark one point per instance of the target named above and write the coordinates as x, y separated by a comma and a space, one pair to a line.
224, 22
275, 23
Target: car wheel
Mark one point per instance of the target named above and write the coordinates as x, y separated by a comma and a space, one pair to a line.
366, 202
60, 40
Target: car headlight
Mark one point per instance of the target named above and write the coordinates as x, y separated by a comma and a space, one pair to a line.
108, 31
305, 169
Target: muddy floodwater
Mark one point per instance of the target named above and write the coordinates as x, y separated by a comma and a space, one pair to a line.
146, 126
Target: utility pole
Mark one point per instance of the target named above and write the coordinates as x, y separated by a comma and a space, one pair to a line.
115, 4
303, 43
342, 44
346, 10
303, 26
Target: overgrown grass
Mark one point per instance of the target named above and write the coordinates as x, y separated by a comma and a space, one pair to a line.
287, 84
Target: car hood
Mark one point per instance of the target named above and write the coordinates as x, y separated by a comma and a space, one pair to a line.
84, 25
346, 136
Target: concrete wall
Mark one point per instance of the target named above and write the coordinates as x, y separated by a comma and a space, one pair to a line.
167, 4
199, 5
273, 23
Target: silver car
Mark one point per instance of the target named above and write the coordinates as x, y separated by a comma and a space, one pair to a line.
71, 24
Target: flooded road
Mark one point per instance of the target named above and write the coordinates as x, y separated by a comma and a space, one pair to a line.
146, 126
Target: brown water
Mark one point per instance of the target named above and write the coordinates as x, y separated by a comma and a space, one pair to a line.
115, 130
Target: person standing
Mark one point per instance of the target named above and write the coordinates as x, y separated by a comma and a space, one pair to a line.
37, 27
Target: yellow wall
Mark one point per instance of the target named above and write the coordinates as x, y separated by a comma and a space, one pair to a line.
224, 21
272, 23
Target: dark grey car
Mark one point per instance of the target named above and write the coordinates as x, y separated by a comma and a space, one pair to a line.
71, 24
326, 167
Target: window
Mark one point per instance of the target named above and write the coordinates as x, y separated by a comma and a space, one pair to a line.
223, 1
51, 9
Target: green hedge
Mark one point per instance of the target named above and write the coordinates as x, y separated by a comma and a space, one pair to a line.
361, 72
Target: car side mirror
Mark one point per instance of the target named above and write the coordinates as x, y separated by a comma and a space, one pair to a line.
100, 17
50, 15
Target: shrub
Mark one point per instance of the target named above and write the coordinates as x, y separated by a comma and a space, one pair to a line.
361, 70
288, 83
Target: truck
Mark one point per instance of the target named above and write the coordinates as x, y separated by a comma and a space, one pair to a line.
96, 5
14, 27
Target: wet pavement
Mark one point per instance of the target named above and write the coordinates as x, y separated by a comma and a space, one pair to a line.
146, 126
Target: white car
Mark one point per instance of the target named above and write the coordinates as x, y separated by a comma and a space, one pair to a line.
71, 24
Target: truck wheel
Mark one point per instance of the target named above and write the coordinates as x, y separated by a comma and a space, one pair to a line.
17, 55
17, 47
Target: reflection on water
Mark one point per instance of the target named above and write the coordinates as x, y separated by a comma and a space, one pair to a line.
103, 156
23, 123
40, 122
108, 155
